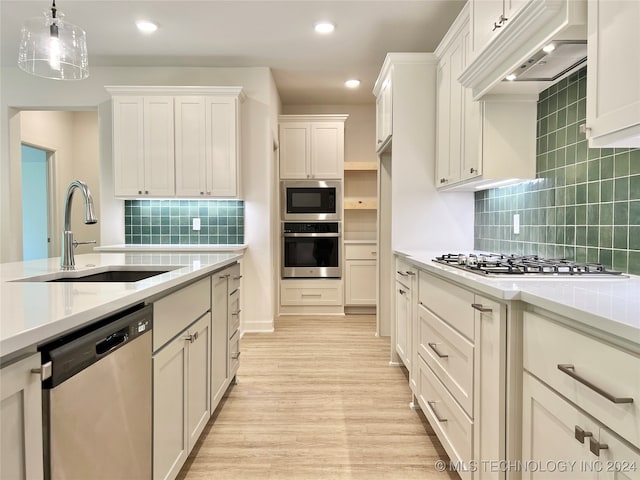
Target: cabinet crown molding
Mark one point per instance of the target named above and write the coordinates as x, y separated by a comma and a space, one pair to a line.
340, 117
456, 27
174, 90
399, 59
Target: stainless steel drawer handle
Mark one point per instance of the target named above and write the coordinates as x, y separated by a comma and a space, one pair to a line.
570, 370
581, 434
433, 347
44, 371
411, 274
401, 291
224, 276
233, 293
236, 313
237, 277
596, 446
433, 410
311, 295
235, 356
191, 338
481, 308
401, 273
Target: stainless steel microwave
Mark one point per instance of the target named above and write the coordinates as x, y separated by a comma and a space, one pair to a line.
310, 200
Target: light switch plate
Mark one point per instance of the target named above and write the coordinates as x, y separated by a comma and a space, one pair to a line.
196, 224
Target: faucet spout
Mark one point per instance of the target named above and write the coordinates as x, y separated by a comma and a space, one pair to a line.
67, 261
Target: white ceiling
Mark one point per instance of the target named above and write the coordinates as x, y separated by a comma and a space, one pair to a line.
308, 68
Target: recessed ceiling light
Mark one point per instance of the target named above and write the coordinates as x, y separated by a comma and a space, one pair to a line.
324, 27
146, 26
511, 77
549, 48
352, 83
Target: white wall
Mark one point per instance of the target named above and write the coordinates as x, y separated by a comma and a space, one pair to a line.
20, 91
73, 138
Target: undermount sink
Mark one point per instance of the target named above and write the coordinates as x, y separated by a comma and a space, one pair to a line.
108, 274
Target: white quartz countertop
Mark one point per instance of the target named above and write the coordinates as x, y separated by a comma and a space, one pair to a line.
608, 304
34, 312
122, 247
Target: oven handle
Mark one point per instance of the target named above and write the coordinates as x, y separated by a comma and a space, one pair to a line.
311, 235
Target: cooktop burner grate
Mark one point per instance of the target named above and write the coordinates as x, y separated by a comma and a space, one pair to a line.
527, 265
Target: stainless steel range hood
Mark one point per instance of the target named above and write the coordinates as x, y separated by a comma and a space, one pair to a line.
550, 63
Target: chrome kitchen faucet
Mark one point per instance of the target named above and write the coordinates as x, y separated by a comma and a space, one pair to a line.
67, 261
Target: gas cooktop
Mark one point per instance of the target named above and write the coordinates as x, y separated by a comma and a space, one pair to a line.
492, 264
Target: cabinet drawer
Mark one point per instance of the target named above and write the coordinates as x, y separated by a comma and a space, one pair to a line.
448, 301
449, 355
617, 373
177, 311
234, 354
360, 252
234, 312
405, 273
311, 292
452, 426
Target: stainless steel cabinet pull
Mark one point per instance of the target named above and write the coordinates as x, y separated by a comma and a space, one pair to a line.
225, 276
191, 338
311, 295
201, 193
236, 313
235, 356
234, 292
580, 434
44, 371
443, 180
401, 291
146, 192
438, 417
411, 274
237, 277
472, 170
570, 370
481, 308
433, 347
139, 192
596, 446
495, 26
401, 273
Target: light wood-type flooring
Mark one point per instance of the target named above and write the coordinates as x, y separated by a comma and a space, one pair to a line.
317, 400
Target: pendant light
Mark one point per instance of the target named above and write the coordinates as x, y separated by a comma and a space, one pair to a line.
53, 48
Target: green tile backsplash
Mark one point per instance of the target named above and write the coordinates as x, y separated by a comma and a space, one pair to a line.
584, 204
170, 222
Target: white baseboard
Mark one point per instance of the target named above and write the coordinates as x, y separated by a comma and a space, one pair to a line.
257, 327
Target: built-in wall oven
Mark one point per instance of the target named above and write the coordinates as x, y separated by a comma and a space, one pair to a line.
311, 250
310, 200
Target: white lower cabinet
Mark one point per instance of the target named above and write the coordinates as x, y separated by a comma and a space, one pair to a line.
360, 274
311, 292
406, 277
180, 397
21, 420
580, 402
461, 342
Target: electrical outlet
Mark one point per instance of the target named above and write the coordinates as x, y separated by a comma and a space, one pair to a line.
196, 224
516, 223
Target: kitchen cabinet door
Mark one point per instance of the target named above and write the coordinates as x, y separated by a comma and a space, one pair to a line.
489, 18
549, 429
403, 324
219, 338
360, 282
613, 76
327, 150
222, 145
384, 114
21, 421
170, 390
295, 150
198, 379
128, 145
191, 152
159, 155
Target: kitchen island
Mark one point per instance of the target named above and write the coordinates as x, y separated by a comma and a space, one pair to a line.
185, 365
34, 312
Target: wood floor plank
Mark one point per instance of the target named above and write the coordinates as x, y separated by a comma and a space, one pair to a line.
317, 400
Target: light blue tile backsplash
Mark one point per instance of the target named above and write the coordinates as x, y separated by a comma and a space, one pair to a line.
584, 204
170, 222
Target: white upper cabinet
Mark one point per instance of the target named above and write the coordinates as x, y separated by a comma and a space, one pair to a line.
384, 113
489, 17
207, 146
478, 143
185, 143
143, 153
311, 146
506, 34
613, 76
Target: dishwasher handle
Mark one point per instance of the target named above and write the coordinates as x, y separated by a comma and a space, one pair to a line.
110, 343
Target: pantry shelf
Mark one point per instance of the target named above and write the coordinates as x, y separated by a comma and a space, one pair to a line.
360, 203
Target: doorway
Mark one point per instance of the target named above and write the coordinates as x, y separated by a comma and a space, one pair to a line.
36, 191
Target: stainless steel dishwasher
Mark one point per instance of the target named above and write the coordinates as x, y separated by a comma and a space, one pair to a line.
97, 401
